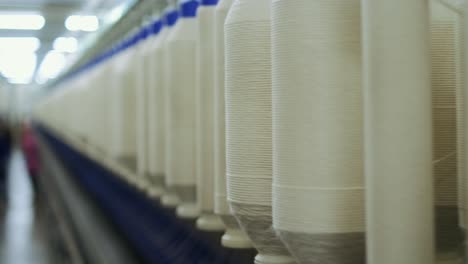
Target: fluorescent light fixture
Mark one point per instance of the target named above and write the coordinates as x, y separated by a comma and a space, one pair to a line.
19, 81
51, 66
19, 44
82, 23
21, 21
18, 65
66, 44
89, 23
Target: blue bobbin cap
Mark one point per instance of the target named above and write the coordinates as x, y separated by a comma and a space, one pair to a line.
145, 32
171, 17
156, 26
188, 8
209, 2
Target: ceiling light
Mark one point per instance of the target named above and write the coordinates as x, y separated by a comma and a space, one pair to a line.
82, 23
52, 65
18, 66
66, 44
89, 23
21, 21
19, 81
19, 44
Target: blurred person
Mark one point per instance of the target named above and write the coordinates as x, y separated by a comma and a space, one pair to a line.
29, 148
5, 150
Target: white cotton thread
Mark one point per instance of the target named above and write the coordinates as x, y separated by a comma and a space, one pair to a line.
169, 198
460, 55
318, 183
234, 237
444, 118
249, 125
123, 107
181, 48
207, 221
142, 86
157, 119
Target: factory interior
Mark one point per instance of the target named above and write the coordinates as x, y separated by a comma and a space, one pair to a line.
233, 132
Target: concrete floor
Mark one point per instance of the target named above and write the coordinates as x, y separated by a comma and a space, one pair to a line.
24, 238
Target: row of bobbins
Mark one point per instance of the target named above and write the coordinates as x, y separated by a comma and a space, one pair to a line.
313, 105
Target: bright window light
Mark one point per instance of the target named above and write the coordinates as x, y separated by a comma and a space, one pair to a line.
82, 23
21, 21
19, 44
18, 65
66, 44
52, 65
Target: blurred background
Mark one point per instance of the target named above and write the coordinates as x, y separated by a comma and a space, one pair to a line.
41, 39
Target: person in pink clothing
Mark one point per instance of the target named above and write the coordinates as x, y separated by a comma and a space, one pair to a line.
29, 147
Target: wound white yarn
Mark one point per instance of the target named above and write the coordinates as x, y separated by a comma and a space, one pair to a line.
157, 110
100, 93
460, 56
444, 113
464, 94
181, 48
318, 164
141, 117
122, 133
318, 182
221, 206
234, 236
205, 119
249, 124
169, 198
398, 132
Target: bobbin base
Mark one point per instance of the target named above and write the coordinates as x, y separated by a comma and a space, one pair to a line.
170, 200
272, 259
155, 191
188, 211
234, 237
210, 222
141, 184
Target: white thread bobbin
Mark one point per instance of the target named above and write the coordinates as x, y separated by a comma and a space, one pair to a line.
207, 221
182, 43
105, 124
99, 96
444, 117
249, 125
128, 105
460, 57
74, 104
234, 237
157, 118
169, 198
123, 110
90, 101
318, 183
142, 82
398, 132
464, 93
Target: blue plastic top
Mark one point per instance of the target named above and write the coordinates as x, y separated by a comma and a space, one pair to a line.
171, 17
209, 2
189, 8
145, 32
156, 26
